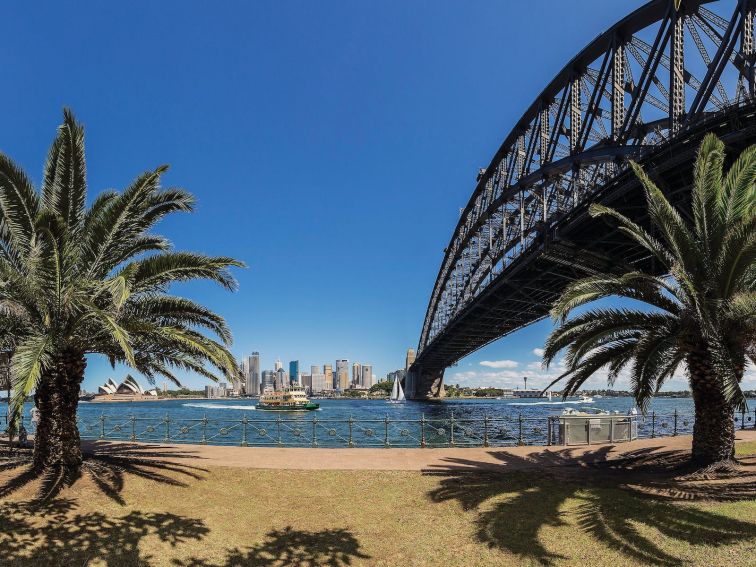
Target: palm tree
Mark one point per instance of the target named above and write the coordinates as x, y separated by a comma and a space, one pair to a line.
78, 280
703, 311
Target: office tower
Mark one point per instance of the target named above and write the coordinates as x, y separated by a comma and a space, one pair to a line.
305, 380
279, 364
330, 384
282, 379
356, 375
319, 382
410, 358
268, 380
251, 369
366, 378
341, 375
314, 369
294, 372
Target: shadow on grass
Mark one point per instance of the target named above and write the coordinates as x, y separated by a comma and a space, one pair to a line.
53, 533
334, 547
107, 464
627, 504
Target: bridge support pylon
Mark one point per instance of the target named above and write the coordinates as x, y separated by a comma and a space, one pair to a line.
424, 383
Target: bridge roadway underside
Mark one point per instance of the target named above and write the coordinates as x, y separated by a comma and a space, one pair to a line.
573, 247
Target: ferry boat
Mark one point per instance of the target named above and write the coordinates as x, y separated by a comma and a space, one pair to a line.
288, 399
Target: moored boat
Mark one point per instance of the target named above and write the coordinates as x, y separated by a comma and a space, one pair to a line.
293, 398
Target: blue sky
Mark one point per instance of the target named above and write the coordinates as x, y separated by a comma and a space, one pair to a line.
330, 146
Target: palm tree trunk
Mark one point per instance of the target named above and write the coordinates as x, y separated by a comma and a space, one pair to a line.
714, 428
56, 442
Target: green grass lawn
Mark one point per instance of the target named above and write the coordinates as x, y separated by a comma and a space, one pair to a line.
156, 513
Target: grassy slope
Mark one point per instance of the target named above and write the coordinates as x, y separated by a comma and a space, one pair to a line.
239, 517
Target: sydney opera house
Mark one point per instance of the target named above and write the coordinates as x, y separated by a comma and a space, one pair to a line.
127, 391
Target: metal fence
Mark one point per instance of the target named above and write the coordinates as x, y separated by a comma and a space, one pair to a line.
450, 431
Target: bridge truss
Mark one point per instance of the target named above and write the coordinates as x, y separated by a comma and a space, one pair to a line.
647, 85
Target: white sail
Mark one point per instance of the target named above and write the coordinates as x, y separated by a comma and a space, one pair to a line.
397, 394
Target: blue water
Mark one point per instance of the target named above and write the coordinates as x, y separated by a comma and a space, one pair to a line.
373, 422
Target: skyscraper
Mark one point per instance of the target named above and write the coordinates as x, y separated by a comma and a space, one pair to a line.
319, 382
341, 375
282, 379
410, 358
356, 375
268, 380
330, 384
314, 369
251, 369
294, 372
279, 364
366, 378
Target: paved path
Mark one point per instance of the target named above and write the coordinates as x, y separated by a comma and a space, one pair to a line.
393, 459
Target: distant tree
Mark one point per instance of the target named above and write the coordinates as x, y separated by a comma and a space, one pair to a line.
78, 280
703, 312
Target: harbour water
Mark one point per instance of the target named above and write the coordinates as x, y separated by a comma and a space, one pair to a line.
365, 423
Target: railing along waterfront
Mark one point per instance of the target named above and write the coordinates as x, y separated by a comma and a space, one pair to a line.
451, 431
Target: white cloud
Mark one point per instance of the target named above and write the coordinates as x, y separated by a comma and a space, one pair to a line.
538, 351
500, 363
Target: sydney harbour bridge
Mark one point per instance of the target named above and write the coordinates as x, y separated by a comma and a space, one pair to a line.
647, 89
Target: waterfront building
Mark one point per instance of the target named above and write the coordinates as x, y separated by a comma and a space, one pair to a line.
328, 373
268, 380
366, 377
128, 390
356, 375
294, 373
251, 370
217, 390
410, 358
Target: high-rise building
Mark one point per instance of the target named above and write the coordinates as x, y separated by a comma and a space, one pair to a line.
279, 364
314, 369
306, 381
330, 383
356, 375
217, 391
341, 375
268, 380
319, 382
366, 378
410, 358
294, 372
251, 369
282, 379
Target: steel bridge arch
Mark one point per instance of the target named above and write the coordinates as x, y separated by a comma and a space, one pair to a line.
647, 82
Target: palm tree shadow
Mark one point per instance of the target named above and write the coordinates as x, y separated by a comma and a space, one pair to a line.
107, 464
620, 501
333, 547
53, 533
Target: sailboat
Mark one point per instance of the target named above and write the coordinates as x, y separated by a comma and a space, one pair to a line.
397, 394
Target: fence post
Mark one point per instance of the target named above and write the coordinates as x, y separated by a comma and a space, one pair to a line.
548, 431
742, 417
204, 430
451, 431
588, 430
278, 426
485, 430
422, 430
611, 429
133, 428
314, 431
754, 418
385, 429
102, 426
653, 424
520, 440
244, 431
351, 439
167, 427
674, 431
